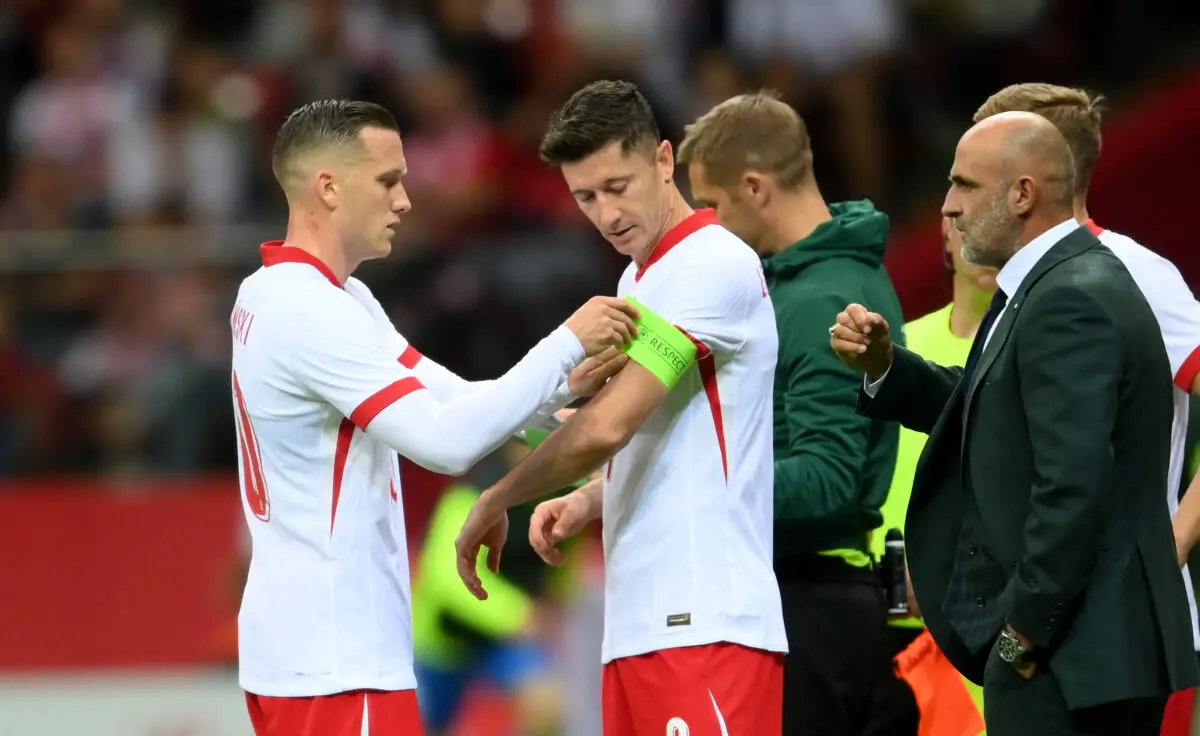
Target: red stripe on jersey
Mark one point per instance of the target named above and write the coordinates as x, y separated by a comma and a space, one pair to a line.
674, 236
1091, 225
277, 251
382, 399
1188, 371
410, 357
341, 454
707, 365
253, 478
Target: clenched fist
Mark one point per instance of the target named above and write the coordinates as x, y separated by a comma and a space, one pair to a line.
602, 322
863, 340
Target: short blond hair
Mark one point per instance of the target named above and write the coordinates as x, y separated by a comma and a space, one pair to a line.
1075, 112
752, 131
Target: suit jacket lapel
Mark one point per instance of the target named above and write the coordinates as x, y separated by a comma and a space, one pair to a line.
1076, 242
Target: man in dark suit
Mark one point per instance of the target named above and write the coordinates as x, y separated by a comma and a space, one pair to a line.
1039, 544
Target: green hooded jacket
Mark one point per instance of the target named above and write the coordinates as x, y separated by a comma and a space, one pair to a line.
833, 467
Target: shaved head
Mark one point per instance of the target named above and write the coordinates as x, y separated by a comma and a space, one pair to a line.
1013, 178
1027, 144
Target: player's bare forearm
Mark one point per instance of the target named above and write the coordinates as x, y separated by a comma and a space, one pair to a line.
592, 496
569, 453
585, 441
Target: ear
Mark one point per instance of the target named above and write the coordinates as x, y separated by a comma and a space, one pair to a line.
664, 157
756, 188
328, 189
1021, 196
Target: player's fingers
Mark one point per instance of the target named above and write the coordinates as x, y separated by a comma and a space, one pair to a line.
610, 367
624, 306
623, 321
493, 559
467, 560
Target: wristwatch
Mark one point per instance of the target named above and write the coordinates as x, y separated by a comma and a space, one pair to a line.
1010, 649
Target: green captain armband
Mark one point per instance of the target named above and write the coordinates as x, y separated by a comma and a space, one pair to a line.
660, 347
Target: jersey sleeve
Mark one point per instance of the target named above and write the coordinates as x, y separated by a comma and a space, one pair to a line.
1178, 315
337, 358
711, 303
446, 385
333, 352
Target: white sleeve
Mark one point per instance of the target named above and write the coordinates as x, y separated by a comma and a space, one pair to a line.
336, 354
711, 303
1178, 315
445, 384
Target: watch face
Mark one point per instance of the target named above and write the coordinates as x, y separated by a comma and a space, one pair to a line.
1009, 647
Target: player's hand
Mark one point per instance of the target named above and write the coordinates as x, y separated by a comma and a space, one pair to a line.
591, 375
604, 321
485, 526
552, 522
863, 340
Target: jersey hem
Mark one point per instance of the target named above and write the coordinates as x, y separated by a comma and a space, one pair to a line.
315, 688
761, 641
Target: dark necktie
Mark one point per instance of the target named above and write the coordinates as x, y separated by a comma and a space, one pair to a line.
999, 300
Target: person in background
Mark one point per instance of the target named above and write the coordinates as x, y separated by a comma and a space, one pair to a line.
750, 159
502, 642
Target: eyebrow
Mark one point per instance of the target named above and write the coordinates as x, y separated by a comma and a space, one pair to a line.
961, 180
398, 173
606, 184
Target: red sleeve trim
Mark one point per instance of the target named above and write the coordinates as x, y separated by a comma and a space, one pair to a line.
382, 399
410, 357
702, 350
1188, 371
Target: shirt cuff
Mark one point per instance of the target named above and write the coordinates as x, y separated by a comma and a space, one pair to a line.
872, 387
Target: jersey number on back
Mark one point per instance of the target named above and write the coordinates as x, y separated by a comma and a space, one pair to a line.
253, 478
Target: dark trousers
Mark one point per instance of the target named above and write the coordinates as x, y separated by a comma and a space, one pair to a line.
839, 656
1014, 706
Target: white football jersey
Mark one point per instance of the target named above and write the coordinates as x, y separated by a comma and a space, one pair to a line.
325, 393
688, 509
1178, 315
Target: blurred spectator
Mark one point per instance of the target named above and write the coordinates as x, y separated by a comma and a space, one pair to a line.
179, 163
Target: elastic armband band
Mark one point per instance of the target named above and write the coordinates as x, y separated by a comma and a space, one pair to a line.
660, 347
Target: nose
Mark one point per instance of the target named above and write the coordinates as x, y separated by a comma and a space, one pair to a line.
950, 206
610, 213
400, 203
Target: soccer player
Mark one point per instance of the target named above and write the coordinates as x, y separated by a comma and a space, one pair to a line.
325, 393
1077, 116
694, 632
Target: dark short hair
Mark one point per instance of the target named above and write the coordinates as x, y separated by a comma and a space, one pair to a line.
600, 114
324, 124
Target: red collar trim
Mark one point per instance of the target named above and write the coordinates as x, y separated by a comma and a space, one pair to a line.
1091, 225
276, 252
674, 236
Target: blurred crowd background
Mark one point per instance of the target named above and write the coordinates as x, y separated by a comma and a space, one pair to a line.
137, 183
135, 187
